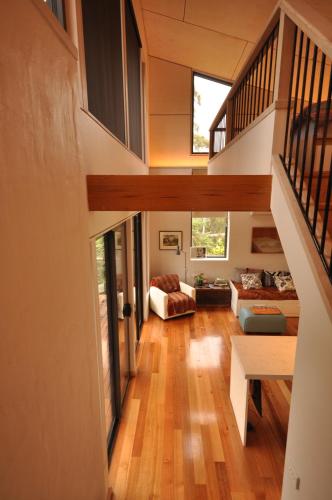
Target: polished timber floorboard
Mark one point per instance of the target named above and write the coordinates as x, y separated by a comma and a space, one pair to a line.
178, 437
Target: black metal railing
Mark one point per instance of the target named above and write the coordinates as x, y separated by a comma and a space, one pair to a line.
256, 91
250, 95
308, 140
219, 135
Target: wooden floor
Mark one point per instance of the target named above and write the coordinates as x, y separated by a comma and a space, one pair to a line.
178, 437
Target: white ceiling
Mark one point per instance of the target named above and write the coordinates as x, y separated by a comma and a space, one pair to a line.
212, 36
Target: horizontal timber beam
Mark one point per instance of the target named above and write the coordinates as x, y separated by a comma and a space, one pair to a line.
179, 192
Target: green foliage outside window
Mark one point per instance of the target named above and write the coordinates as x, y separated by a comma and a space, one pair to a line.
210, 232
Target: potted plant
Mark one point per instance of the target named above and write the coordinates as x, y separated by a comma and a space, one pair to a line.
199, 279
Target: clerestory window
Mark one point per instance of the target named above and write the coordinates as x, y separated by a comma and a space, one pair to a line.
208, 96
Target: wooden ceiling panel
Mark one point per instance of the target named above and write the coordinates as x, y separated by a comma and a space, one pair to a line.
237, 18
171, 8
169, 89
246, 53
192, 46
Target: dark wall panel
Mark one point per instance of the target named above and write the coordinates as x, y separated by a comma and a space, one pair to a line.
134, 81
103, 58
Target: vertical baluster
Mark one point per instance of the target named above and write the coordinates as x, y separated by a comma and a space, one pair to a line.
304, 151
233, 123
265, 51
251, 92
295, 104
241, 107
269, 101
300, 116
260, 82
238, 112
255, 91
275, 58
326, 210
246, 100
290, 98
322, 154
313, 148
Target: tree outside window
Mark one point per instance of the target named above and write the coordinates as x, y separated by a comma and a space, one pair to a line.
208, 96
210, 232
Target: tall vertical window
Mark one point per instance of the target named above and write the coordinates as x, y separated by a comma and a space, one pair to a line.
133, 46
210, 230
57, 8
208, 96
103, 59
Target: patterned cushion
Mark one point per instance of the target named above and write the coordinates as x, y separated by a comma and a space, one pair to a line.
259, 272
250, 280
284, 283
167, 282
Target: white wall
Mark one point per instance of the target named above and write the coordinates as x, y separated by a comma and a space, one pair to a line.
51, 434
309, 443
241, 223
250, 153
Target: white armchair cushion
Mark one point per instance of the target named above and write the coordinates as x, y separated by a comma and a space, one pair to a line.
158, 301
188, 290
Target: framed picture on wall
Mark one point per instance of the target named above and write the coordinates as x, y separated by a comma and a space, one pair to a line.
170, 240
265, 240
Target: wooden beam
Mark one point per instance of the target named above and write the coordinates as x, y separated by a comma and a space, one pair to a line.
179, 192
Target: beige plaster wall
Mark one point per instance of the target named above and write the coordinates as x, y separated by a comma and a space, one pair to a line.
170, 96
241, 224
249, 153
51, 443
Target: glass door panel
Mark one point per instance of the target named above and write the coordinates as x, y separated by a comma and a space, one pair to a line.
138, 274
107, 358
122, 298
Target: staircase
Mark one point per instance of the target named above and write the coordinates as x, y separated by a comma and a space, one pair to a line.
300, 147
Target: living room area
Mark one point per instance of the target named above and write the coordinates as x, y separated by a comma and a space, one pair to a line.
179, 437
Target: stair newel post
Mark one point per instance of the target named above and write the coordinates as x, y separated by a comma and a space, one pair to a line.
283, 81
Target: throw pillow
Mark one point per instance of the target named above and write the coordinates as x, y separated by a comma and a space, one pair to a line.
281, 273
250, 280
284, 283
268, 279
259, 272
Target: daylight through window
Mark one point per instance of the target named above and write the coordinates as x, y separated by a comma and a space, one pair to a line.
208, 96
210, 231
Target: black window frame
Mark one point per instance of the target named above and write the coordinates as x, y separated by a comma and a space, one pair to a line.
133, 69
58, 9
207, 77
214, 257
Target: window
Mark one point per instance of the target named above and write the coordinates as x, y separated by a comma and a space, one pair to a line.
56, 7
133, 45
208, 96
210, 230
103, 57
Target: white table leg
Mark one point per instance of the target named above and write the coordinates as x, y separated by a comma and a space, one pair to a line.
239, 395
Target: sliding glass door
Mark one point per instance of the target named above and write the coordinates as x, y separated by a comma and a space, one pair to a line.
112, 299
138, 274
120, 271
107, 343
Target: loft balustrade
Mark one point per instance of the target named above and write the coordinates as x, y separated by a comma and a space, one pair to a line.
307, 148
251, 94
290, 71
